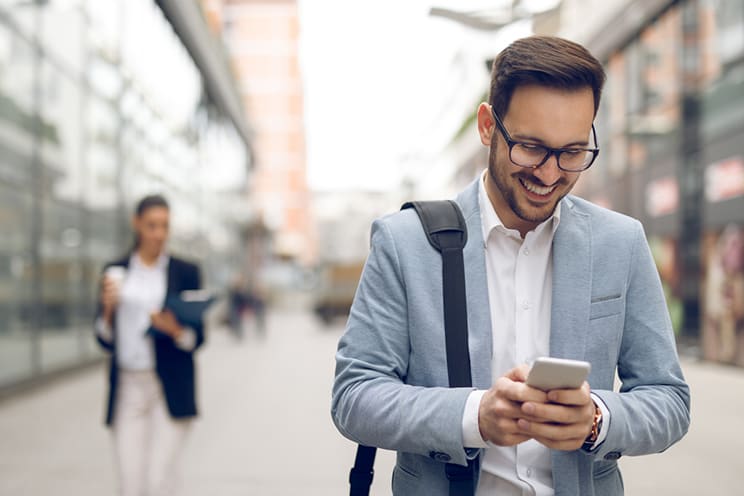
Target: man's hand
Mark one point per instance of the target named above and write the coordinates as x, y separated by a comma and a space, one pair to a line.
501, 408
563, 423
166, 322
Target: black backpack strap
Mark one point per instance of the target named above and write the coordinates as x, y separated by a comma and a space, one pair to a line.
361, 475
447, 232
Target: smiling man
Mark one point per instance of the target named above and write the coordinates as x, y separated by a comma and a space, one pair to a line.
547, 274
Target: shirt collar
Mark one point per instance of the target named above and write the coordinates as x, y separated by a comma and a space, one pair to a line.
490, 219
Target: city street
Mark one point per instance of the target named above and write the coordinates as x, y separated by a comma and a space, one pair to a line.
265, 427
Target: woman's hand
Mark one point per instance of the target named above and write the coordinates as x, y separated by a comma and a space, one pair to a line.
166, 322
109, 298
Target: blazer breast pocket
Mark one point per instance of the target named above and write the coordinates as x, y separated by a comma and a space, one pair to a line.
603, 339
606, 305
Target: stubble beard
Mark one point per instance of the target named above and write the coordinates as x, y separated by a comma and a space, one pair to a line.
508, 191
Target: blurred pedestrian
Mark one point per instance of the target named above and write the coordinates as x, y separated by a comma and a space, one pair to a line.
236, 307
547, 274
257, 304
723, 332
151, 398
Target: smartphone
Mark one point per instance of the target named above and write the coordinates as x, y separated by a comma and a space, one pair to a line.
557, 373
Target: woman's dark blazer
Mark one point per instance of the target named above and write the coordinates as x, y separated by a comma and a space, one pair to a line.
174, 367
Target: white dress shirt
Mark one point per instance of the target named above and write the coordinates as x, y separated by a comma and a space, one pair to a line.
520, 280
142, 292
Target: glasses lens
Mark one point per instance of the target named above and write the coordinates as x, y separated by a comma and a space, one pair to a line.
528, 155
575, 160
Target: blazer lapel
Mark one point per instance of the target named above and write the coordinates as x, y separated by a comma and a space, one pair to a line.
571, 284
173, 280
569, 316
480, 340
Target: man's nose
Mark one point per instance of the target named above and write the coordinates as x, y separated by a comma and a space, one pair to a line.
549, 173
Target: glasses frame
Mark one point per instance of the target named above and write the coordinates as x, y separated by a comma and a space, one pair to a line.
550, 151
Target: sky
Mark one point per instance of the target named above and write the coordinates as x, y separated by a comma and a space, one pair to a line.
367, 75
370, 73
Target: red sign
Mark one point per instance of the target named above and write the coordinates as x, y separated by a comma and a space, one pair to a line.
662, 196
724, 179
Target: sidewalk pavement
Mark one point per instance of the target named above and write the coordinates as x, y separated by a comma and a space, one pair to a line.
708, 460
265, 427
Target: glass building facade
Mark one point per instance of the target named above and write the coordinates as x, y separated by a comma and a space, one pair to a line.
671, 129
100, 104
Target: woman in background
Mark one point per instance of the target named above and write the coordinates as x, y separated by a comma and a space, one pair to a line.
151, 397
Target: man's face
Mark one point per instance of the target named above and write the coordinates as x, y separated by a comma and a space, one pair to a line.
524, 197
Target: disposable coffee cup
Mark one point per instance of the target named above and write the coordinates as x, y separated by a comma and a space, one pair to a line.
116, 274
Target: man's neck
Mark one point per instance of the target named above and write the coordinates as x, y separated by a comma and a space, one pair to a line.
504, 212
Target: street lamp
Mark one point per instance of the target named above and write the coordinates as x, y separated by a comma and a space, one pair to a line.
495, 19
476, 20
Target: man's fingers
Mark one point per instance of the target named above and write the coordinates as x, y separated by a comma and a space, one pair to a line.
498, 406
502, 407
553, 432
580, 396
497, 417
519, 391
555, 413
557, 426
501, 431
518, 374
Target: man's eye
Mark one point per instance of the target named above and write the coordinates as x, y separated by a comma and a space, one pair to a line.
532, 148
572, 153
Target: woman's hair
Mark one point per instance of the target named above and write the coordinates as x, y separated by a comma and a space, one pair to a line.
150, 201
544, 61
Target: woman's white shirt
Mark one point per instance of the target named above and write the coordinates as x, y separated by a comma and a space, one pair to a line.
142, 292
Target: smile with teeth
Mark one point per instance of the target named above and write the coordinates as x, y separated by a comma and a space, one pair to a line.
538, 190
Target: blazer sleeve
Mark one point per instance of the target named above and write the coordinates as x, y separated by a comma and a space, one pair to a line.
192, 280
371, 402
651, 411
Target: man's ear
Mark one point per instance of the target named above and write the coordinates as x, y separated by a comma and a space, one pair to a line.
485, 123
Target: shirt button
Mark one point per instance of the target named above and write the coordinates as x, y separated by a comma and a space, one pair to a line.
529, 472
526, 305
526, 251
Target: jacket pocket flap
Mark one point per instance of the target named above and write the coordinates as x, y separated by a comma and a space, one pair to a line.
604, 306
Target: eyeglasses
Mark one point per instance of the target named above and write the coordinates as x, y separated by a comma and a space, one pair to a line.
532, 155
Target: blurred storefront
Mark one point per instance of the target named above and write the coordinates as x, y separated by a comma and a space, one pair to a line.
262, 38
102, 102
671, 130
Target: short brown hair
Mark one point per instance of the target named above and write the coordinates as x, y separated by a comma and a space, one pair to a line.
544, 61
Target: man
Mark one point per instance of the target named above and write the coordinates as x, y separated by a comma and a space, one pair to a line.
547, 275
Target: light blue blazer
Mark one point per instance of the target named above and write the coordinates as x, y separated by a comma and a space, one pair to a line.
608, 308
